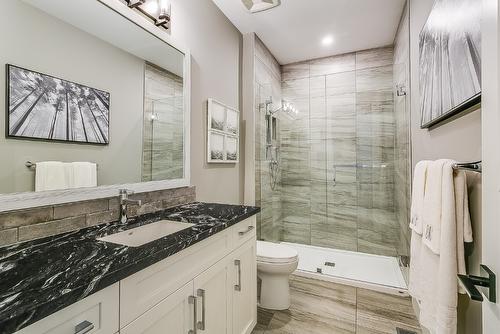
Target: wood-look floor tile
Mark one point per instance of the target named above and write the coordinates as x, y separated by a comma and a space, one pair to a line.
320, 307
379, 313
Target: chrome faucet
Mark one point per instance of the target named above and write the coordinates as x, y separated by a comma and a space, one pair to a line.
124, 202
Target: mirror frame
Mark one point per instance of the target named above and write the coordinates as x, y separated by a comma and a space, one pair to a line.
26, 200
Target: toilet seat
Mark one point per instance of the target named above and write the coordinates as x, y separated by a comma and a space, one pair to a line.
270, 252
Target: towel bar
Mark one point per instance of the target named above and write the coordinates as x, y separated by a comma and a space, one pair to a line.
32, 165
472, 166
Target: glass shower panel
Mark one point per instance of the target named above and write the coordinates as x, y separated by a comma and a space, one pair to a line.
320, 232
295, 161
341, 230
375, 128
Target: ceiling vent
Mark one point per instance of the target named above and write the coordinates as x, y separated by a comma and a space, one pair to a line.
255, 6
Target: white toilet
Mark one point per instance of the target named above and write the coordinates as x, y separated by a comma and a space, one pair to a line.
275, 263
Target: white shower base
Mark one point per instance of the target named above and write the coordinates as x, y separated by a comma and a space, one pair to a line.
375, 272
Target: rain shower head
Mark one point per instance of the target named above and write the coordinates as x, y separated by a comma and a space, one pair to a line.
255, 6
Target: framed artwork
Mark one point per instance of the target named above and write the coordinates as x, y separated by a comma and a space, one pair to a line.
450, 60
43, 107
223, 133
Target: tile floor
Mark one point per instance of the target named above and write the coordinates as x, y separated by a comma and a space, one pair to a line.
320, 307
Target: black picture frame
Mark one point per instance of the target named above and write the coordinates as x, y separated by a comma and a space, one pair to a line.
103, 130
449, 62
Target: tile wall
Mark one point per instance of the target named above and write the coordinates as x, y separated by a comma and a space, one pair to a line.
267, 85
337, 162
23, 225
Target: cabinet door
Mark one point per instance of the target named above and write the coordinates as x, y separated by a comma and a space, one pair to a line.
173, 315
212, 292
244, 286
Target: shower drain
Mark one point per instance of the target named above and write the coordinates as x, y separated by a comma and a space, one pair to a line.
330, 264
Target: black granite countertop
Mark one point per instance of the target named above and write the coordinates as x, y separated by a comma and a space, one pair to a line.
38, 278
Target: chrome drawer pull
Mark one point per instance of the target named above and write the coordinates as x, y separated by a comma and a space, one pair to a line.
192, 300
250, 228
84, 327
201, 324
237, 263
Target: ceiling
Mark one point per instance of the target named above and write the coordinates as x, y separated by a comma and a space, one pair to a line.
295, 30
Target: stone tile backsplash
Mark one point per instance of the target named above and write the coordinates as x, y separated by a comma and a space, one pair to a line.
23, 225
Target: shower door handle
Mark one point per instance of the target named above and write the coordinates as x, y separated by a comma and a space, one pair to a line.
334, 179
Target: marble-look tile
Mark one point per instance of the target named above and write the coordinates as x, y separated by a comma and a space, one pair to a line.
374, 58
374, 79
335, 64
295, 71
341, 83
379, 313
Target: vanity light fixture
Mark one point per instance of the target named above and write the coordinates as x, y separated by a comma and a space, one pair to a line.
159, 11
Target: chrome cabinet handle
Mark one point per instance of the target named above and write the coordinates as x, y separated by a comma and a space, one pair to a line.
237, 263
201, 324
192, 301
250, 228
84, 327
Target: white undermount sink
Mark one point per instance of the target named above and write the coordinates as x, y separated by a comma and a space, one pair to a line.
141, 235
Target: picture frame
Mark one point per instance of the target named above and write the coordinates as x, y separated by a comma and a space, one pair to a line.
223, 133
449, 61
44, 107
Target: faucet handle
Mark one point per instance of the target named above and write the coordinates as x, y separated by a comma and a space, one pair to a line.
125, 192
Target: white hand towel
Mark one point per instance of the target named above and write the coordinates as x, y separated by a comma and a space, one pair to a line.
52, 175
433, 201
84, 174
417, 196
464, 228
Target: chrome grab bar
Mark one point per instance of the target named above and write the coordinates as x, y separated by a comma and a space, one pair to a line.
237, 263
201, 324
250, 228
192, 300
84, 327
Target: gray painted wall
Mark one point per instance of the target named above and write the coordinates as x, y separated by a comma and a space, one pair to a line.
459, 139
216, 47
61, 50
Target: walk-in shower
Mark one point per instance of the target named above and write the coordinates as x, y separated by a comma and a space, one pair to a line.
332, 164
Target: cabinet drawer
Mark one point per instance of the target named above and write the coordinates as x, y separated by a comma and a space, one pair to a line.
243, 231
144, 289
96, 314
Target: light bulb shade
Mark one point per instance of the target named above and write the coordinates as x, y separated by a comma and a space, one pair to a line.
255, 6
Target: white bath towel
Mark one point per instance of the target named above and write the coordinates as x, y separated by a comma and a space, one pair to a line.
433, 279
433, 201
417, 196
52, 175
84, 174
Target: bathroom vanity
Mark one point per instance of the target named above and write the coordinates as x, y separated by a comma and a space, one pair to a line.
201, 279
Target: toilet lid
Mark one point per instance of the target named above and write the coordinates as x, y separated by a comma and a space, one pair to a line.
275, 253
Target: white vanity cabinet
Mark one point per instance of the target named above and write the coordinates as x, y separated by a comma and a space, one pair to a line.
208, 288
244, 292
96, 314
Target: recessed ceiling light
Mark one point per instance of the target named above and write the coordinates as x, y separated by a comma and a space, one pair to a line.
327, 40
255, 6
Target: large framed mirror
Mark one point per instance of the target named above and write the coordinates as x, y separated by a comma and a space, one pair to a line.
97, 98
